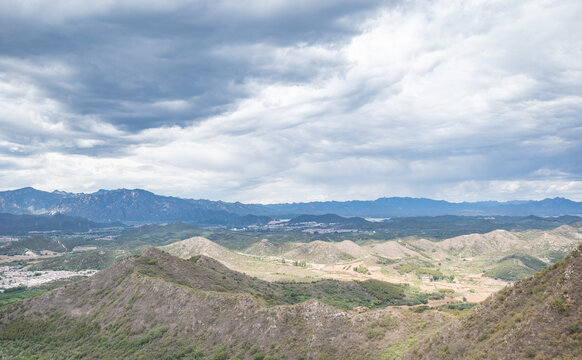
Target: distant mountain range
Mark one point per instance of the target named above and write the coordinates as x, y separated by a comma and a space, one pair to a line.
143, 206
405, 207
126, 205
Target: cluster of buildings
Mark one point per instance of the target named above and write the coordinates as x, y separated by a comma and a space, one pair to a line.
11, 277
311, 227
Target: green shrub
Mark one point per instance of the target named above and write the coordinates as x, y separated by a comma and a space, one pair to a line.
386, 261
573, 328
153, 334
386, 322
559, 305
361, 269
220, 353
375, 334
419, 309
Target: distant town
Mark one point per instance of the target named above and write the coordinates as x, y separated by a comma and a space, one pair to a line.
13, 277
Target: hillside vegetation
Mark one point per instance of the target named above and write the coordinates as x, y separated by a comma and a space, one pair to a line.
515, 267
538, 317
93, 259
32, 243
157, 305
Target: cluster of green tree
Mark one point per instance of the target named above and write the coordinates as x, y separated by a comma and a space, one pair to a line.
432, 274
361, 269
13, 295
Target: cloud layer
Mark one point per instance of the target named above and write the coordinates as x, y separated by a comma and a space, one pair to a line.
295, 100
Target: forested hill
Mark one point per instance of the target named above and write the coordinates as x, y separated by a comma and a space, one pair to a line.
20, 224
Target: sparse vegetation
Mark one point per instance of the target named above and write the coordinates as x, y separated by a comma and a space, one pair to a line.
386, 261
531, 319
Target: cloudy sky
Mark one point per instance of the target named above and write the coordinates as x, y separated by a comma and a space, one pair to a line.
293, 100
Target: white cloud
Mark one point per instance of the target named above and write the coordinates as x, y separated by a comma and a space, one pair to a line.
27, 110
35, 122
172, 105
514, 190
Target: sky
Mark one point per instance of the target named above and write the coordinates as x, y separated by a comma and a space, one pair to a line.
293, 100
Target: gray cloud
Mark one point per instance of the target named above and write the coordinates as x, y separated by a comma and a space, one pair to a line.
128, 55
291, 101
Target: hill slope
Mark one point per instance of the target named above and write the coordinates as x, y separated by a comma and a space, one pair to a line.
157, 305
515, 267
322, 252
538, 317
198, 245
476, 244
535, 242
